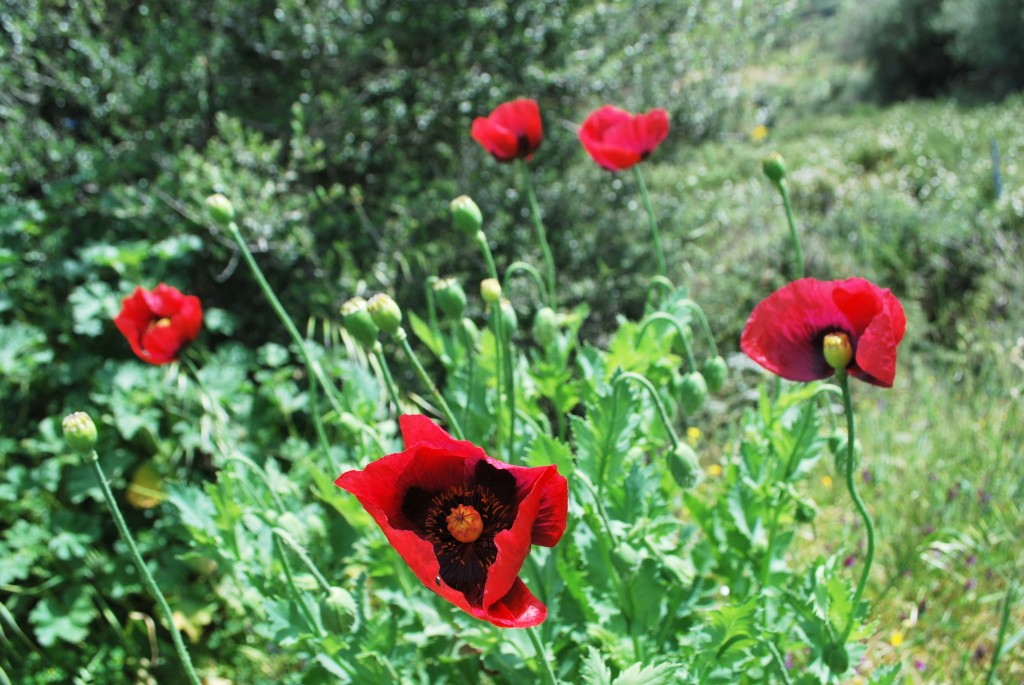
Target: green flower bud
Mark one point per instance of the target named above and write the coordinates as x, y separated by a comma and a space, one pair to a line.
490, 290
684, 466
692, 391
385, 313
470, 331
451, 298
338, 611
838, 351
836, 658
79, 431
466, 216
356, 319
220, 209
508, 317
775, 168
715, 372
545, 326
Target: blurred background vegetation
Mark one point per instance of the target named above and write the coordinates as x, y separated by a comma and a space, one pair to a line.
340, 128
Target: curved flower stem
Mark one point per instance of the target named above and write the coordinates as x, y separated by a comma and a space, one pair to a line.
287, 539
485, 247
516, 267
659, 253
403, 340
642, 380
313, 369
147, 577
261, 474
542, 237
869, 526
547, 673
663, 316
389, 380
696, 309
307, 613
1003, 623
661, 283
797, 252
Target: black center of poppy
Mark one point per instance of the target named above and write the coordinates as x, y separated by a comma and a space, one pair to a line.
524, 145
490, 494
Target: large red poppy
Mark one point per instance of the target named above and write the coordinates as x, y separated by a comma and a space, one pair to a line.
512, 131
785, 333
462, 521
617, 140
159, 323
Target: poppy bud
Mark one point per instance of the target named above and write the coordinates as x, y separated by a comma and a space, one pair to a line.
220, 209
466, 216
545, 326
715, 372
490, 290
838, 351
356, 319
451, 298
79, 431
385, 313
693, 389
836, 658
470, 330
338, 611
774, 168
508, 317
684, 466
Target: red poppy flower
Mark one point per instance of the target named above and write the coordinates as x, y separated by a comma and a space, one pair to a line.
159, 323
462, 521
785, 333
617, 140
512, 131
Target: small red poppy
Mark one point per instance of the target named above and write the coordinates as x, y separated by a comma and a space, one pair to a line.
462, 521
785, 333
617, 140
159, 323
512, 131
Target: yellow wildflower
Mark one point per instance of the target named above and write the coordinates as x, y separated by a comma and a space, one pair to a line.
759, 133
714, 470
896, 639
826, 481
693, 435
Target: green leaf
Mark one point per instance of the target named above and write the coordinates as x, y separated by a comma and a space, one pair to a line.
604, 436
594, 671
54, 620
885, 675
420, 328
93, 306
731, 628
638, 674
550, 450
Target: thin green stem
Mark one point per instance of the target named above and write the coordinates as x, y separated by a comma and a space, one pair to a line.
659, 253
542, 238
516, 267
1003, 624
798, 253
661, 284
314, 627
287, 539
696, 309
499, 368
510, 389
485, 247
314, 371
470, 349
261, 474
869, 526
658, 404
389, 380
547, 673
663, 316
147, 577
453, 423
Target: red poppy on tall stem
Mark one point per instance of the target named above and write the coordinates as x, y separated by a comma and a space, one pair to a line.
786, 333
462, 521
160, 322
618, 140
512, 131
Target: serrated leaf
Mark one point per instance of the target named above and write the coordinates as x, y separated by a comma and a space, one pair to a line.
550, 450
595, 671
638, 674
732, 627
885, 675
604, 436
195, 508
54, 621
